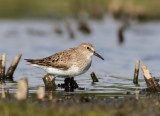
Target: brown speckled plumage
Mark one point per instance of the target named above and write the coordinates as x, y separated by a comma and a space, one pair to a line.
79, 57
56, 60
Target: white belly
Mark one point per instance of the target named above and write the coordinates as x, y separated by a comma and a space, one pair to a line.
71, 72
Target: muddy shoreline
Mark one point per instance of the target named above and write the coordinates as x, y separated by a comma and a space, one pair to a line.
83, 105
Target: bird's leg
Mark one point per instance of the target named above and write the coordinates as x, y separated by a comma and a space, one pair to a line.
67, 83
73, 83
70, 84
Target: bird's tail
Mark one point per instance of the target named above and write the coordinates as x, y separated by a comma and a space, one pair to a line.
35, 61
32, 61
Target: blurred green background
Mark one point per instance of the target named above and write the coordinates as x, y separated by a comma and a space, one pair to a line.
95, 8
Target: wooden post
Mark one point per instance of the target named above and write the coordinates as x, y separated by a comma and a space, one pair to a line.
40, 93
151, 82
2, 71
58, 30
69, 29
136, 72
121, 38
49, 82
147, 75
22, 91
11, 69
94, 77
83, 25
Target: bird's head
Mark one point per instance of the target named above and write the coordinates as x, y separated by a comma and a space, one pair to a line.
89, 50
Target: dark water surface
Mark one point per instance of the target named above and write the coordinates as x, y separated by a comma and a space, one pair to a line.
37, 39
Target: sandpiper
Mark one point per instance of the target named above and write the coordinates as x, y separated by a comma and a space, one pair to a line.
68, 63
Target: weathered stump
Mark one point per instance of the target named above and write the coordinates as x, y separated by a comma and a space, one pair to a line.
2, 67
152, 82
11, 69
94, 77
84, 27
49, 82
121, 38
69, 29
58, 30
40, 93
22, 92
136, 72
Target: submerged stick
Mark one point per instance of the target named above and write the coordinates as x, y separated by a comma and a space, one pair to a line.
121, 34
49, 82
2, 71
94, 77
136, 72
22, 91
11, 69
151, 82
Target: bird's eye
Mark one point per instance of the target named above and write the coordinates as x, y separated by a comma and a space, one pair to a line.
88, 48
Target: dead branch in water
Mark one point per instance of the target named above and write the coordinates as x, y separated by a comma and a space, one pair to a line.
2, 71
13, 66
83, 24
94, 77
69, 29
136, 72
152, 82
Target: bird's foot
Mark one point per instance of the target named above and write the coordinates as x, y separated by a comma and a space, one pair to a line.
69, 84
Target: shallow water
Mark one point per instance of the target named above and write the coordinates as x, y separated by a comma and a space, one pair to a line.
37, 39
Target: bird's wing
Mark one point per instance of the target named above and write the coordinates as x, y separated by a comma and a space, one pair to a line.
59, 60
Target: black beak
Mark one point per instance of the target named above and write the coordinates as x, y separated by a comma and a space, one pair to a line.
96, 54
